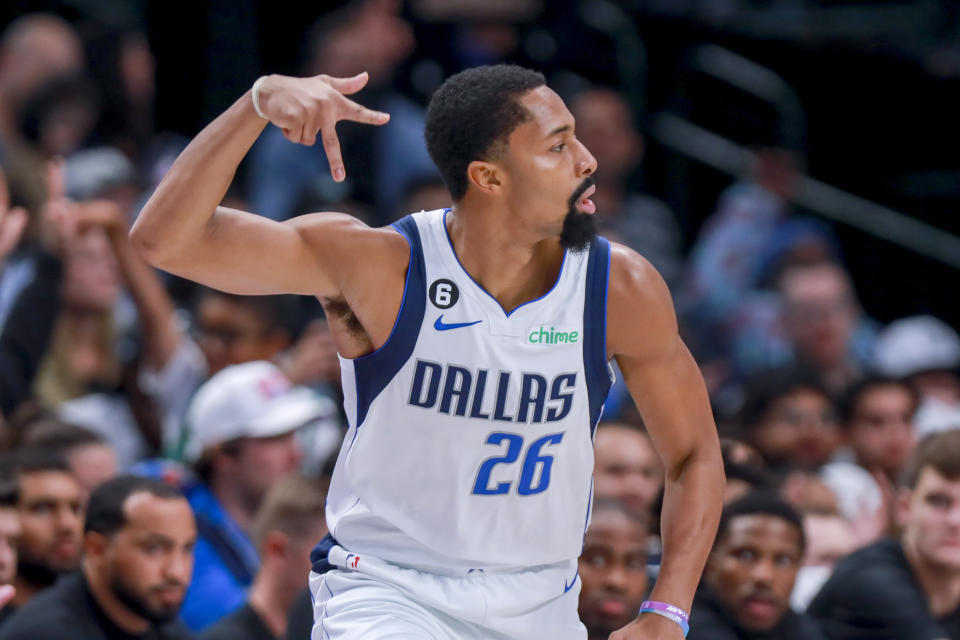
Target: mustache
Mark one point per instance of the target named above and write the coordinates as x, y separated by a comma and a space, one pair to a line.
582, 189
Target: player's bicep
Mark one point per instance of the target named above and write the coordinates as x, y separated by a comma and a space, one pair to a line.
243, 253
661, 374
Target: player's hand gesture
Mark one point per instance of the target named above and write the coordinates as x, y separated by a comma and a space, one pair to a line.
304, 107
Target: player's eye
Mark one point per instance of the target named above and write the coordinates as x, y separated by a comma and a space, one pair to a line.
559, 147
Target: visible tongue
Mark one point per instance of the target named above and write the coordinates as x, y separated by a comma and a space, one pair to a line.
587, 205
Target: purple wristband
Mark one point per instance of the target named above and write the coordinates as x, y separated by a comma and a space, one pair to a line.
666, 608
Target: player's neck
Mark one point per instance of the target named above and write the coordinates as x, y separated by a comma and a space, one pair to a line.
940, 584
512, 268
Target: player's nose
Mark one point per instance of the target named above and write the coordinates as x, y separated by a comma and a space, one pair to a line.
586, 163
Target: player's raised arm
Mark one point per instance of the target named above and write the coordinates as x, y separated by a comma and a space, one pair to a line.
183, 230
670, 394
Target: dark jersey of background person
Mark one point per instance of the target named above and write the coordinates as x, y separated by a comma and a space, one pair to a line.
710, 621
300, 617
68, 610
242, 624
873, 595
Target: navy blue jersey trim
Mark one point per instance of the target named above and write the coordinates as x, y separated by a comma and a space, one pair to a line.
319, 555
595, 327
374, 371
506, 313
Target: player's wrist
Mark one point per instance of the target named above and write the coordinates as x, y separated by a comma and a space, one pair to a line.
257, 96
670, 612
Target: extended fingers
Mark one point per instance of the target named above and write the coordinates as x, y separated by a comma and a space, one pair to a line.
350, 110
331, 146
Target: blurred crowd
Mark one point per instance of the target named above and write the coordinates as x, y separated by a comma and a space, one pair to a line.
165, 446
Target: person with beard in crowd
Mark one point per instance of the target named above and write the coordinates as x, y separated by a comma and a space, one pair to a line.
50, 506
9, 539
745, 593
138, 554
613, 568
907, 587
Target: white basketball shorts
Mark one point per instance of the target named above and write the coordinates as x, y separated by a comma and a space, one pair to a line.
364, 598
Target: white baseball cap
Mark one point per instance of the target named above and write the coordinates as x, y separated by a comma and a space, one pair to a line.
916, 344
250, 400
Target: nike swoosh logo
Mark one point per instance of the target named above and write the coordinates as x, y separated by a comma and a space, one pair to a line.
568, 586
440, 325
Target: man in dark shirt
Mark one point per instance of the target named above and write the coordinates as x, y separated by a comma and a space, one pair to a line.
745, 593
612, 568
288, 525
906, 589
138, 555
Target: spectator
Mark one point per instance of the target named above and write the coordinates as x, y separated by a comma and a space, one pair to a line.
877, 417
90, 457
821, 316
605, 125
745, 593
626, 467
50, 504
289, 524
9, 540
926, 353
830, 537
243, 426
790, 418
613, 568
907, 587
138, 553
34, 48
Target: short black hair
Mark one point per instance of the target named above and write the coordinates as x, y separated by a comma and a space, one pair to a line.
471, 114
762, 502
767, 387
60, 437
105, 510
849, 402
35, 459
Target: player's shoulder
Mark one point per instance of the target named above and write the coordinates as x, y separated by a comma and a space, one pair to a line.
634, 281
637, 297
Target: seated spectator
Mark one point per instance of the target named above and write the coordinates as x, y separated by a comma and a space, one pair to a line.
925, 352
907, 587
138, 553
822, 322
745, 592
626, 467
612, 568
89, 456
243, 427
830, 537
9, 541
50, 504
790, 418
877, 418
289, 524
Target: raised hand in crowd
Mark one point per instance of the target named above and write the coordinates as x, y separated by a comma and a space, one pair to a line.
13, 220
313, 358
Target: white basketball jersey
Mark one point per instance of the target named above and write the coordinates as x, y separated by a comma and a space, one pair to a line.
470, 440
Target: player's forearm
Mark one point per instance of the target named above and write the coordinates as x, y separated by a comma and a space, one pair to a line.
693, 497
172, 224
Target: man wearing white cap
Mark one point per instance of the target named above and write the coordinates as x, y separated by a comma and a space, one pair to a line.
925, 352
243, 424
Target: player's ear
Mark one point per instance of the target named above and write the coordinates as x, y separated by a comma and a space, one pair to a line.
484, 176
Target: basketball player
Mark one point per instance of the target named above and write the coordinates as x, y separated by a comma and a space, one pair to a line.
474, 348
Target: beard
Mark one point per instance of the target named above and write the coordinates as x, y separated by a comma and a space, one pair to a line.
138, 604
35, 571
579, 228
